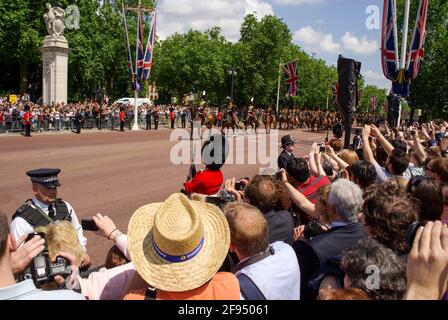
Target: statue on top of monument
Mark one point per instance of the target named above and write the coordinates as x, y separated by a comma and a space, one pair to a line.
54, 20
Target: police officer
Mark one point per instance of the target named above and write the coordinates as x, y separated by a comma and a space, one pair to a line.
155, 115
287, 153
79, 118
45, 208
148, 119
183, 117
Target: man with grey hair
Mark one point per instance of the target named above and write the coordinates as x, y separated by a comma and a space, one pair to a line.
324, 251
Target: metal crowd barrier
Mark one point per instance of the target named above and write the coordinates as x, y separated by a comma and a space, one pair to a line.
15, 125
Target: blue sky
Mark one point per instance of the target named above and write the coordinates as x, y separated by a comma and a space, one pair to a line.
324, 27
336, 18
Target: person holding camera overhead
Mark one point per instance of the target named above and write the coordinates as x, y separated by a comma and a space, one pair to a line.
45, 208
12, 259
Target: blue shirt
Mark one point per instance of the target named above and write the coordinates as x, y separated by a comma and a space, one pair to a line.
26, 290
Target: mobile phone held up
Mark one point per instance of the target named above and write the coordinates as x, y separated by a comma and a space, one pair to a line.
89, 225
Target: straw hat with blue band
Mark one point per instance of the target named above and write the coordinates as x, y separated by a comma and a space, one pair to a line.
178, 245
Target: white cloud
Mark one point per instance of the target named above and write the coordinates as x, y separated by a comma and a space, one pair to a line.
374, 78
297, 2
183, 15
359, 46
319, 42
316, 40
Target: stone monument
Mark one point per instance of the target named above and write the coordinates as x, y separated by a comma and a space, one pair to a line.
54, 57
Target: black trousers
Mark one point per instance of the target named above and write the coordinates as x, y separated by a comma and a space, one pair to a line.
156, 124
28, 130
172, 123
78, 126
183, 123
148, 124
121, 125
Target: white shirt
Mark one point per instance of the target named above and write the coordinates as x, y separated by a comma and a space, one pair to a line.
277, 276
19, 226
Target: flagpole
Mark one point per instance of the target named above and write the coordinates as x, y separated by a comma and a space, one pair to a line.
278, 87
404, 43
135, 126
127, 38
394, 8
405, 34
408, 63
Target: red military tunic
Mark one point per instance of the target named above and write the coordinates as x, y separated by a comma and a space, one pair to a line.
172, 115
122, 116
27, 118
207, 182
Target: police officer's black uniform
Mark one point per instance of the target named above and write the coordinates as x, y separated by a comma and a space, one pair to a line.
183, 117
78, 121
148, 119
155, 115
285, 157
30, 212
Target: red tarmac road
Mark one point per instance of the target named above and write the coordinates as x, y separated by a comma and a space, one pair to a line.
114, 173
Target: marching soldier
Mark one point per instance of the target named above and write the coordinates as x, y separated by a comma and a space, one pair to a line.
45, 208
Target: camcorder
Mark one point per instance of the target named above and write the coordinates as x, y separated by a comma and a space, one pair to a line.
313, 229
41, 270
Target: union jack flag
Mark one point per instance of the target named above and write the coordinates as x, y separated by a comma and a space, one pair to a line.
140, 53
389, 50
291, 78
335, 90
416, 51
149, 54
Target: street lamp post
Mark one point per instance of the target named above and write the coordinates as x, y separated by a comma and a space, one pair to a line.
233, 74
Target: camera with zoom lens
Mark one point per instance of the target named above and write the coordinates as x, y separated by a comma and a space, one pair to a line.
313, 229
221, 199
41, 270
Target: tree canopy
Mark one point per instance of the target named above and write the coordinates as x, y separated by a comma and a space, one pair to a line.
190, 62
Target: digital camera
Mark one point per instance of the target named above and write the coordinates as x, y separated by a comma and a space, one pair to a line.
221, 199
41, 270
313, 229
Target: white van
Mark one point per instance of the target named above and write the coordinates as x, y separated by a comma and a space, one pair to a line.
131, 101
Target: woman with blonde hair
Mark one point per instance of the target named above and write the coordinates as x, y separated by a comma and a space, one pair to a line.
62, 237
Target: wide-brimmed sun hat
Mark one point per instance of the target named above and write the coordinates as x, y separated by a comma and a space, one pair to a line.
178, 245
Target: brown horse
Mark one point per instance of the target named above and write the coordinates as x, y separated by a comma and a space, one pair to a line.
251, 120
230, 120
282, 119
268, 121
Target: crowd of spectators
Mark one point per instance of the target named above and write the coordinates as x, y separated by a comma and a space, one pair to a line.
61, 116
367, 223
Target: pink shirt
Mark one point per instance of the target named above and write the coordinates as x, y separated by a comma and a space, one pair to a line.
108, 284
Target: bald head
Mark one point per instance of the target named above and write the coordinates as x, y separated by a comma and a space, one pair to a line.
248, 228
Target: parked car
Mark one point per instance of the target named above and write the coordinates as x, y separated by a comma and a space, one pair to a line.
131, 101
